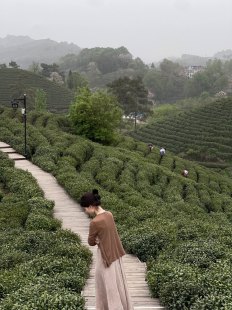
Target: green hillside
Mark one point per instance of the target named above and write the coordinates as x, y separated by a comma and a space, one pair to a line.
16, 82
181, 227
203, 134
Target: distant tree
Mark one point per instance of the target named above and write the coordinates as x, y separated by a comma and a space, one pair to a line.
167, 66
131, 94
13, 64
48, 69
95, 115
139, 66
75, 81
228, 67
3, 66
70, 80
68, 62
167, 82
40, 100
35, 68
155, 82
211, 80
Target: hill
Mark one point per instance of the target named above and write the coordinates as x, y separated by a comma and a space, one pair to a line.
25, 50
203, 133
190, 60
224, 55
16, 82
195, 60
180, 226
101, 66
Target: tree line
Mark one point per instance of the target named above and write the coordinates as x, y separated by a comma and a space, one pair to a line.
100, 67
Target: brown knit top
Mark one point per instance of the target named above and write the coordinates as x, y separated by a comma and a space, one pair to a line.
103, 228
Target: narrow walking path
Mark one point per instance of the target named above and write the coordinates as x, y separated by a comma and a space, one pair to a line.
72, 216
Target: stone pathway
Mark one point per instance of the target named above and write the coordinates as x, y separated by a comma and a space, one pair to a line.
72, 216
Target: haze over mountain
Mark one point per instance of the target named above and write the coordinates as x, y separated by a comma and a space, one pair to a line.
25, 50
150, 29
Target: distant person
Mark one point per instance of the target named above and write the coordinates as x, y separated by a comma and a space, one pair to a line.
150, 146
185, 173
162, 151
110, 281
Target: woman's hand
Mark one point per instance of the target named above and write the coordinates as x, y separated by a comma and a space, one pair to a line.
97, 241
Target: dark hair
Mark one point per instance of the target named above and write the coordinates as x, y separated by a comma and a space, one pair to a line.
90, 199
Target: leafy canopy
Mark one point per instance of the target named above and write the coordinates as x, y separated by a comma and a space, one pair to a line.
95, 115
131, 94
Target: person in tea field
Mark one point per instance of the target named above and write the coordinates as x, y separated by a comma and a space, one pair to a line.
150, 147
162, 151
185, 173
110, 281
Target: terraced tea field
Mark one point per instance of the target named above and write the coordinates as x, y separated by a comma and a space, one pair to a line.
203, 134
181, 227
15, 81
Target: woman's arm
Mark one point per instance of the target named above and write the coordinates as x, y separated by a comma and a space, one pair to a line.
92, 234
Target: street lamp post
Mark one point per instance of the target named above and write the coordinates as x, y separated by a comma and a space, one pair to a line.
15, 104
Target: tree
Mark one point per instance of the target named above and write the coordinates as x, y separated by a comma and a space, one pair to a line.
167, 82
35, 68
3, 66
75, 81
40, 100
155, 82
131, 94
169, 67
212, 79
13, 64
95, 115
48, 69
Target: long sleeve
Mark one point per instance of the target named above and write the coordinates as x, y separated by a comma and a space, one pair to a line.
92, 234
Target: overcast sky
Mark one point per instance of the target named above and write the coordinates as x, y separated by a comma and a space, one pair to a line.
150, 29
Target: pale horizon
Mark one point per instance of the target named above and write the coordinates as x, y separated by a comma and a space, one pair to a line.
149, 29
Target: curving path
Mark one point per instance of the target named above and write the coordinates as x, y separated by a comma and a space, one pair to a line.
70, 213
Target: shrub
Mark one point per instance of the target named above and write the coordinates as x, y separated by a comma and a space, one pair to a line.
177, 285
41, 297
43, 222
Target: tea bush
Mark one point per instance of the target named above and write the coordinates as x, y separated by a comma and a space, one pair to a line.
41, 266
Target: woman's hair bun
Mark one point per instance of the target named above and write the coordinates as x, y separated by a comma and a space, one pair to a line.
95, 191
96, 195
90, 198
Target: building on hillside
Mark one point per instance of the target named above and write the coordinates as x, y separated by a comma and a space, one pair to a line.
191, 70
221, 94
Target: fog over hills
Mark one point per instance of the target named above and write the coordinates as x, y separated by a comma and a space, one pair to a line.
187, 59
25, 50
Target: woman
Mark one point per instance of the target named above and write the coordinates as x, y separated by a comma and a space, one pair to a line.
110, 282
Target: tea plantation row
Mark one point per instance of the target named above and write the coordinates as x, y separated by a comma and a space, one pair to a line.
41, 265
204, 134
58, 97
180, 226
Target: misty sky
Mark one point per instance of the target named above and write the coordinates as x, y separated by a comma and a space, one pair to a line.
150, 29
